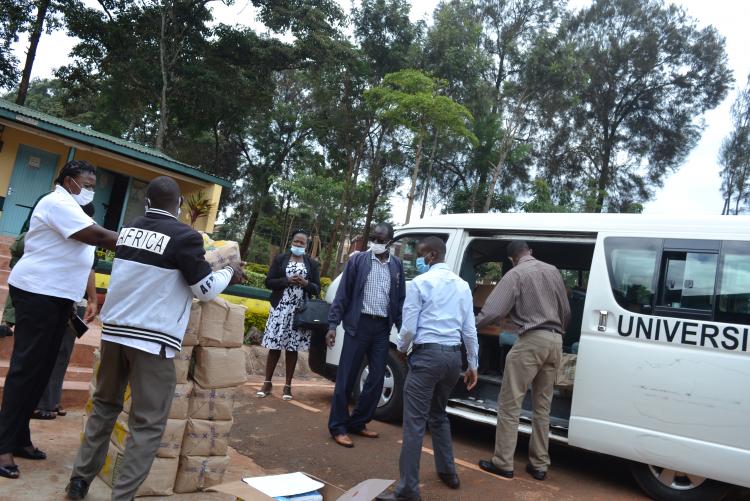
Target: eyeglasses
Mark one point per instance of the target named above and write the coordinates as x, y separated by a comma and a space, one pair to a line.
377, 240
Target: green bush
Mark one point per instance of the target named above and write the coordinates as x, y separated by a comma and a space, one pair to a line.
325, 282
257, 268
255, 319
255, 279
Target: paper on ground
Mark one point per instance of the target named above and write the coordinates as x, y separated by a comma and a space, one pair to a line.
287, 484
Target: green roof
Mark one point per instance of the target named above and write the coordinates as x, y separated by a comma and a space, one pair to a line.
85, 135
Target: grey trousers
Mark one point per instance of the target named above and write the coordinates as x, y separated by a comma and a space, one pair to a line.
533, 360
152, 384
433, 373
51, 397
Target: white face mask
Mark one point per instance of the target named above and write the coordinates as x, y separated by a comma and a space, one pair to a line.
377, 249
85, 197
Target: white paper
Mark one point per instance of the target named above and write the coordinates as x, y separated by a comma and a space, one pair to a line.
366, 491
287, 484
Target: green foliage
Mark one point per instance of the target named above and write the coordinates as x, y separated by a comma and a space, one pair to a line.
255, 319
198, 206
255, 279
257, 268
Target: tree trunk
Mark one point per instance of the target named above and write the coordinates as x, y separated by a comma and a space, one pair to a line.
601, 184
36, 34
414, 177
163, 109
250, 228
429, 175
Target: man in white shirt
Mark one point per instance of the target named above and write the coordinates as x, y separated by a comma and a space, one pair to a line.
437, 315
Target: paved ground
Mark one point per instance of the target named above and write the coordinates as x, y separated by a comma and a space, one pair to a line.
281, 436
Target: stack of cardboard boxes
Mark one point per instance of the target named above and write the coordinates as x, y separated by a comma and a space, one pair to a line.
193, 451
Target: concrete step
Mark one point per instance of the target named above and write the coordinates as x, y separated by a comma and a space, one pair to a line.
4, 276
74, 372
74, 394
83, 350
4, 262
3, 298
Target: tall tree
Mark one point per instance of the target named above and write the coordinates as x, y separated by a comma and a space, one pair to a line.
411, 99
734, 155
14, 17
648, 74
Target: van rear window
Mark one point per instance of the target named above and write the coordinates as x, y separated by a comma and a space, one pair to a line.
733, 296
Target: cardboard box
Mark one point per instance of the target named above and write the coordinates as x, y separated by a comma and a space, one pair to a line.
158, 482
180, 400
221, 253
196, 473
366, 490
566, 373
194, 324
171, 441
214, 404
206, 438
222, 324
182, 364
219, 367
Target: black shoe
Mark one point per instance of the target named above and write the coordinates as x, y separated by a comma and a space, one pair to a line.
391, 496
489, 466
450, 479
5, 330
77, 488
34, 454
537, 474
9, 471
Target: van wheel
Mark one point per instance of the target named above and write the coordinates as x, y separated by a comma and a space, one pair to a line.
663, 484
391, 405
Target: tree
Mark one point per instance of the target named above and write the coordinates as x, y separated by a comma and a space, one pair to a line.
648, 74
411, 99
14, 16
734, 155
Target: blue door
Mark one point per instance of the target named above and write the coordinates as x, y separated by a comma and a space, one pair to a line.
105, 180
32, 177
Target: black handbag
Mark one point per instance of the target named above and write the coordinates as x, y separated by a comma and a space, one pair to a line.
311, 314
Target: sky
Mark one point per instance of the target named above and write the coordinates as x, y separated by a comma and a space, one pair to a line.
693, 189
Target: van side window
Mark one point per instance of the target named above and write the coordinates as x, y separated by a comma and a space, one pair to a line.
632, 264
688, 280
733, 295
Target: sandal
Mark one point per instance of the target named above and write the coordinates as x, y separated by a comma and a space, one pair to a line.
9, 471
46, 415
34, 454
265, 390
60, 411
287, 394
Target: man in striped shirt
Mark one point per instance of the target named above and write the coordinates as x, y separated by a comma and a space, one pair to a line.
532, 298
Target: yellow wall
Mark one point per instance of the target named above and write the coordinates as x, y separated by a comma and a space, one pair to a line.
12, 137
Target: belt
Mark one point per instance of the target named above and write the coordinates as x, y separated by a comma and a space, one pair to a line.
436, 346
373, 317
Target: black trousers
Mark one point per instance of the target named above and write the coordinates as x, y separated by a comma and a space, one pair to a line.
40, 327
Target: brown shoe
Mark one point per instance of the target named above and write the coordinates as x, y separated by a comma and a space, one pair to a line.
364, 432
343, 440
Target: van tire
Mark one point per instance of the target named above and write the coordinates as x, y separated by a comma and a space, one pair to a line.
646, 477
395, 375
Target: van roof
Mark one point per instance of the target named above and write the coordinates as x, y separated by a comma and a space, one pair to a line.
591, 223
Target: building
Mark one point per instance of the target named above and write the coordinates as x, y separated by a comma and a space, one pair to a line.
34, 146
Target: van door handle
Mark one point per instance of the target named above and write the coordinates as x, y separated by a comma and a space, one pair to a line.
602, 321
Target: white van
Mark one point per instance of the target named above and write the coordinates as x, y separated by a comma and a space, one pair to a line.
660, 334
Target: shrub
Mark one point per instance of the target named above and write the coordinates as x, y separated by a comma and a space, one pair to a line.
325, 282
257, 268
255, 279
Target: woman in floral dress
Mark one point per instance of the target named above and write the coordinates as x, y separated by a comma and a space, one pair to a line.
291, 276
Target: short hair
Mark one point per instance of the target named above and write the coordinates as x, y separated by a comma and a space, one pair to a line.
434, 244
163, 192
75, 168
386, 226
516, 248
300, 231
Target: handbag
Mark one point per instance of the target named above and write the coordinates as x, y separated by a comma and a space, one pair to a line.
311, 314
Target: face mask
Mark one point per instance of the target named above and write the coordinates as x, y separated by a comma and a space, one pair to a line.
377, 249
297, 251
422, 266
85, 197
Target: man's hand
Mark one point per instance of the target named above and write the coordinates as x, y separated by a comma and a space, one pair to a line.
91, 311
470, 379
239, 274
331, 338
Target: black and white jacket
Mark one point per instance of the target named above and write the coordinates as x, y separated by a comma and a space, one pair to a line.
159, 267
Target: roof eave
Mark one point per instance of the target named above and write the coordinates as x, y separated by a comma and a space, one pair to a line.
103, 144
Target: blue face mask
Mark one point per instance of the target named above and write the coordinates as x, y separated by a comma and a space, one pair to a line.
422, 266
297, 251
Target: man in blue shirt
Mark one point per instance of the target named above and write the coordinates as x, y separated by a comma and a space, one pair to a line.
368, 302
438, 314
